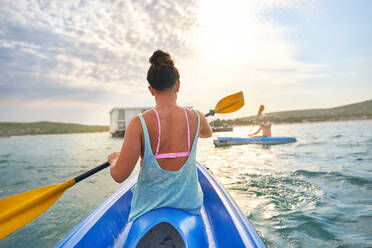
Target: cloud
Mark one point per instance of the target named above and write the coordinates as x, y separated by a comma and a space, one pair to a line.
64, 47
82, 53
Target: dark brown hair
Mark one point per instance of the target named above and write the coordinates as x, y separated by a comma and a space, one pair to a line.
162, 74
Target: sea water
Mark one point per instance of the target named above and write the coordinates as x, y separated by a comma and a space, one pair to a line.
316, 192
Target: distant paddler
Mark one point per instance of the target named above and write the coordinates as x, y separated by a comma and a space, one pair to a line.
265, 127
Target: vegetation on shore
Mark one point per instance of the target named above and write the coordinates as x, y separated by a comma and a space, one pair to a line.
44, 127
356, 111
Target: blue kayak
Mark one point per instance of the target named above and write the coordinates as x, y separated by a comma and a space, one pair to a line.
229, 141
220, 223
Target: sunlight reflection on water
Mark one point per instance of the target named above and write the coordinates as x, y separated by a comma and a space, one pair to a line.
295, 195
284, 189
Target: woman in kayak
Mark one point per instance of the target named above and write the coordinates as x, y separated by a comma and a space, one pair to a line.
265, 126
165, 138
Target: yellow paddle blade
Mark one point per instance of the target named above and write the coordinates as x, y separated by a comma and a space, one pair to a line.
260, 110
230, 103
18, 210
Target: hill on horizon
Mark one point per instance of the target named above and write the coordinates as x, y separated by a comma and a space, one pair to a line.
355, 111
47, 127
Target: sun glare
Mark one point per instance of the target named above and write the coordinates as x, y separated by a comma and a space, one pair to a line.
227, 30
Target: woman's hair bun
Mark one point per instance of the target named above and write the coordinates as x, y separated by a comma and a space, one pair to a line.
162, 74
161, 58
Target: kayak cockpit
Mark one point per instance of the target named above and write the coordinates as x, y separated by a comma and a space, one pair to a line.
165, 226
162, 235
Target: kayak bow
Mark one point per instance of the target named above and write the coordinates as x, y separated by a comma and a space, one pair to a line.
220, 223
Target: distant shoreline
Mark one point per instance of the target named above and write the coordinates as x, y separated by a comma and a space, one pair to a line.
355, 111
317, 120
314, 122
352, 112
247, 122
9, 129
45, 134
279, 123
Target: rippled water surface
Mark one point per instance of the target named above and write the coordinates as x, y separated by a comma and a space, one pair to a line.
316, 192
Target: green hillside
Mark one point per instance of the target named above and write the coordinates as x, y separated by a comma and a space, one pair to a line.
356, 111
26, 128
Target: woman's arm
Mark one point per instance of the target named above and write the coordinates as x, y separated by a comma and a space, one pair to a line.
259, 129
205, 130
122, 163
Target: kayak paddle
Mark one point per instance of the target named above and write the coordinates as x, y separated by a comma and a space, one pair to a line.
260, 110
228, 104
18, 210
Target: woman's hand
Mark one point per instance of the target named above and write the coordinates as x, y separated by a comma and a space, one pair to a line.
113, 157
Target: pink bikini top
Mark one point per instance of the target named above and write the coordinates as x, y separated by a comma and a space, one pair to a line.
173, 154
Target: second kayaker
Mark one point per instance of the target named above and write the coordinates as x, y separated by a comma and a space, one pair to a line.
165, 138
265, 127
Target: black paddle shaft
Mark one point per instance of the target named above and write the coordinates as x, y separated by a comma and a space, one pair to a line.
91, 172
211, 112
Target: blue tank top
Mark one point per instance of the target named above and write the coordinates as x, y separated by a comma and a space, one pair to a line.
159, 188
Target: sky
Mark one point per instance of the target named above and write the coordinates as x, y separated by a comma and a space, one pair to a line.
73, 61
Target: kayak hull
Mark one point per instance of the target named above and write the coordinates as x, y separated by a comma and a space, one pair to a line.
220, 223
230, 141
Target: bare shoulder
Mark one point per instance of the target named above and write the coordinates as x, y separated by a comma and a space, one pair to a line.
203, 119
200, 113
191, 110
134, 124
195, 113
147, 112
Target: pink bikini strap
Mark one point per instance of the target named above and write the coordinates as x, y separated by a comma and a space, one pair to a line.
157, 116
173, 155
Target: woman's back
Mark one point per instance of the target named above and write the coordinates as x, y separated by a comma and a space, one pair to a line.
159, 187
174, 135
